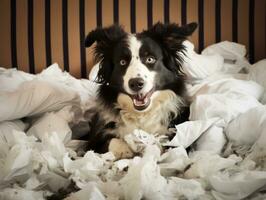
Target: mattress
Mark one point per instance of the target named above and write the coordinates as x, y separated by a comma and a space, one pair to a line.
225, 134
35, 34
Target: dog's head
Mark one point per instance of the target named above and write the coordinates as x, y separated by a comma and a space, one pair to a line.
138, 65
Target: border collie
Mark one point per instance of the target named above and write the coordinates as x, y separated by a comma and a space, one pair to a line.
142, 83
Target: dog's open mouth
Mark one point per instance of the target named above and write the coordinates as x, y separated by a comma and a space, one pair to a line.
142, 101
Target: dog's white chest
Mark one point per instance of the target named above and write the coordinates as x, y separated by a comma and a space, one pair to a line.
155, 120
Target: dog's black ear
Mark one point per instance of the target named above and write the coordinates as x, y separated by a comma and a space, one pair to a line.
171, 37
105, 39
105, 35
172, 31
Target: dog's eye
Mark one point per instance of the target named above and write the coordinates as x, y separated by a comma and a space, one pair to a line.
123, 62
150, 60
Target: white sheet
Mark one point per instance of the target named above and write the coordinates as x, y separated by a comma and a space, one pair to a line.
225, 106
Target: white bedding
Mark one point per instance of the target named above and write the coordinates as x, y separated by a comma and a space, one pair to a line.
226, 132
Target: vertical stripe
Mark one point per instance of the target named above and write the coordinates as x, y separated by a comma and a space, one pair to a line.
149, 13
99, 12
226, 22
133, 16
218, 20
141, 15
48, 32
243, 24
124, 8
184, 12
260, 30
22, 37
82, 38
166, 11
39, 35
90, 24
13, 33
74, 38
116, 11
235, 20
65, 34
251, 30
158, 15
107, 10
192, 11
56, 30
175, 11
209, 22
5, 39
30, 36
201, 24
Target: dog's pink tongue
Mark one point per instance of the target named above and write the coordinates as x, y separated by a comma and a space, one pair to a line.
139, 102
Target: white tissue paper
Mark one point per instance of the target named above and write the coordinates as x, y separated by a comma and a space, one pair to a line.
238, 185
205, 163
223, 106
19, 193
233, 54
188, 132
229, 50
7, 127
33, 98
212, 140
54, 122
247, 127
143, 180
11, 79
86, 89
36, 165
139, 140
90, 192
174, 161
257, 73
200, 66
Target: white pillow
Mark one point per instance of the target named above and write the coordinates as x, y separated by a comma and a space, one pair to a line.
34, 98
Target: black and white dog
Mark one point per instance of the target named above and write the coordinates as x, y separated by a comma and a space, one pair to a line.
142, 83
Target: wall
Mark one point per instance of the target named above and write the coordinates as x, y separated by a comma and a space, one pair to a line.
36, 33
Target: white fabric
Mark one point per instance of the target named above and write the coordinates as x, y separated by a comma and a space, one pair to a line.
10, 79
86, 89
7, 127
212, 140
34, 98
229, 50
223, 102
200, 66
239, 131
257, 74
53, 122
94, 72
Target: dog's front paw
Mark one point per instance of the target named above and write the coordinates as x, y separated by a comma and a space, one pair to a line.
120, 149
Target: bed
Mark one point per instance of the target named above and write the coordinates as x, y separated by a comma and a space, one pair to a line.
226, 136
218, 154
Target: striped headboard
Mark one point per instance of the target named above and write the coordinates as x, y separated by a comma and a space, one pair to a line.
36, 33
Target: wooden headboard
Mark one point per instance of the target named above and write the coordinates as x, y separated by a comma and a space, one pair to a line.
36, 33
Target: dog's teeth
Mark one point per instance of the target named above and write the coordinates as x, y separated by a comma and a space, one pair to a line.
145, 100
139, 103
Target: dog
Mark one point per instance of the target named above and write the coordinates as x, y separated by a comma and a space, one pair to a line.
142, 83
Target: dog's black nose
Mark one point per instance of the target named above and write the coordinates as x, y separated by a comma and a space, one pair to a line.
136, 84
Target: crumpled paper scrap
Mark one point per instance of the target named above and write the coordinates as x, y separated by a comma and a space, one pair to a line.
206, 163
139, 140
237, 185
188, 132
174, 161
143, 180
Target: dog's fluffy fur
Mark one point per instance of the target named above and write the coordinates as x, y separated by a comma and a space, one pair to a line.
142, 84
